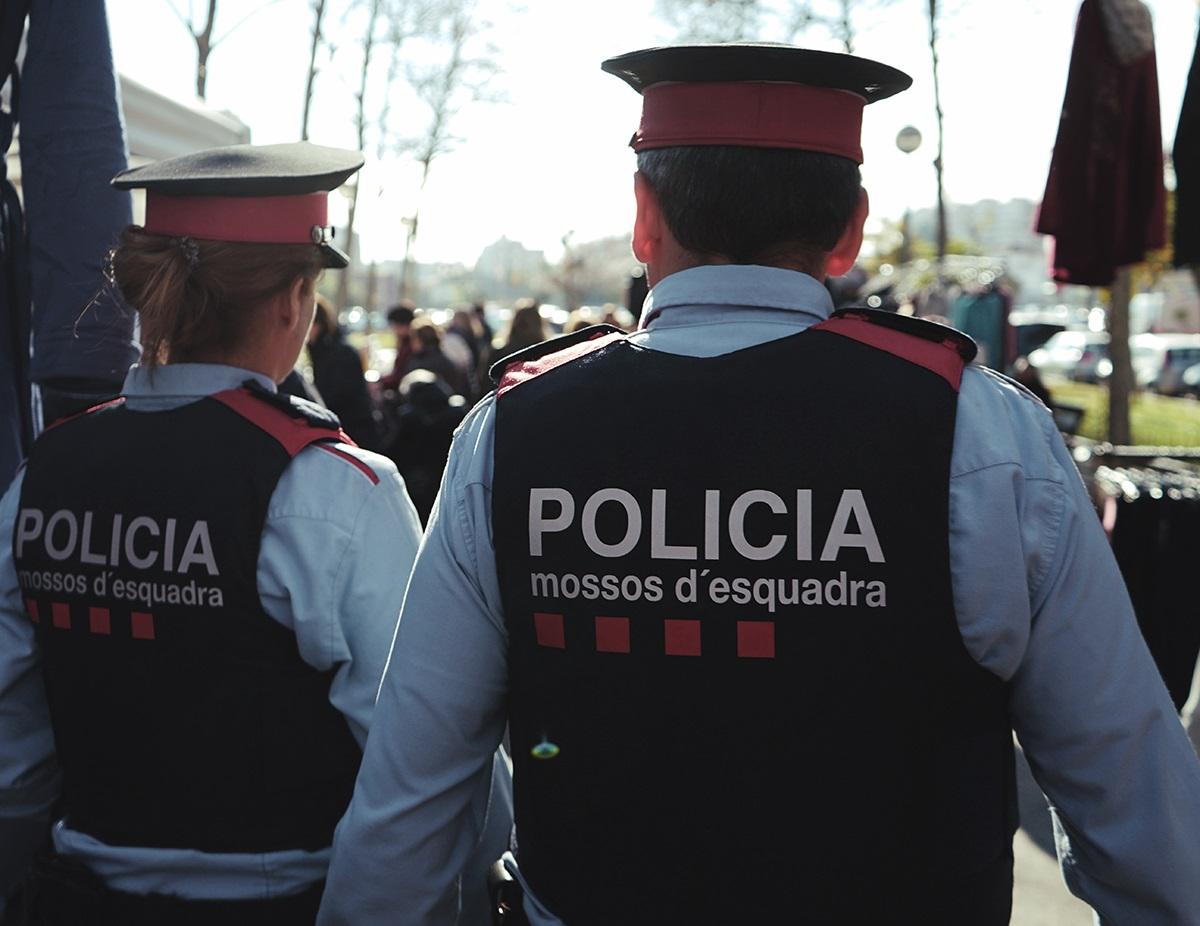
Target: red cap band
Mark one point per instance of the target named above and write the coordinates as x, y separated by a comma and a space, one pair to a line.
254, 219
755, 114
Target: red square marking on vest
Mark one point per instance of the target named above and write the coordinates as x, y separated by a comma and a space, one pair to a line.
142, 625
31, 609
612, 635
756, 639
99, 620
681, 638
549, 629
61, 615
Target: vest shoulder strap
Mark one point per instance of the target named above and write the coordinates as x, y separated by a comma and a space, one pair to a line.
527, 363
938, 348
294, 422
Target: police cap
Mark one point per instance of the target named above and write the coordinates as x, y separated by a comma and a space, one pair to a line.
262, 194
754, 95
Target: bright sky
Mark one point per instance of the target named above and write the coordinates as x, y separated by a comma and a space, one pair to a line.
553, 157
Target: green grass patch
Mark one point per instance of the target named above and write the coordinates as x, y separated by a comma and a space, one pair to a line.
1157, 420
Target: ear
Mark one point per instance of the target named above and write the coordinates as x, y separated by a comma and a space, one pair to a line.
298, 306
845, 252
648, 225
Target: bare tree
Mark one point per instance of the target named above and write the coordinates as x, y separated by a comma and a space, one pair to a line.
375, 9
568, 276
203, 37
318, 8
458, 79
941, 135
742, 20
713, 20
841, 21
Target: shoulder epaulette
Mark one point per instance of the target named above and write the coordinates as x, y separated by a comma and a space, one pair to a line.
917, 327
293, 423
552, 346
318, 416
940, 349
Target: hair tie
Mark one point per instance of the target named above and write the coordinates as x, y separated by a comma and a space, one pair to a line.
190, 250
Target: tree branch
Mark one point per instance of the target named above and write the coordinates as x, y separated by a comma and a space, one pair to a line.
224, 35
187, 23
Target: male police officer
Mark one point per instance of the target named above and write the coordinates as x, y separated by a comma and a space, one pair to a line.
769, 590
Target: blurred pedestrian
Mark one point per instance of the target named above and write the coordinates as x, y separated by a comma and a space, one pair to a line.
525, 328
424, 419
338, 376
400, 318
203, 578
480, 313
463, 343
427, 354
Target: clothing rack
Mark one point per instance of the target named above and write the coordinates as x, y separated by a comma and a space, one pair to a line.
1150, 504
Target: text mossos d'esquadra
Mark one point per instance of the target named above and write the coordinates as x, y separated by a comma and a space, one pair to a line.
124, 546
555, 511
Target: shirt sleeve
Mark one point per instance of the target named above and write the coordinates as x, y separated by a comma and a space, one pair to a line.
1042, 604
337, 550
29, 782
432, 800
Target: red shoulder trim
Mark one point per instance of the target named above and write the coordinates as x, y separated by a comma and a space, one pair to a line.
293, 434
350, 458
940, 358
525, 370
119, 400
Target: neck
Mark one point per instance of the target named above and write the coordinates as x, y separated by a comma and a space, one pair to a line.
674, 260
270, 367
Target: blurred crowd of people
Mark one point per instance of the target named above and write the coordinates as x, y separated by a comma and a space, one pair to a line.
440, 370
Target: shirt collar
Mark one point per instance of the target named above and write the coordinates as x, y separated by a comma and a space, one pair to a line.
189, 379
732, 286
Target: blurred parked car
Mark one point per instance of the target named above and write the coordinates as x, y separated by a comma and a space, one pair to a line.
1191, 381
1160, 360
1072, 354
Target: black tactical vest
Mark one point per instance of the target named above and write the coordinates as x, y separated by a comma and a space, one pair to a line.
183, 714
738, 691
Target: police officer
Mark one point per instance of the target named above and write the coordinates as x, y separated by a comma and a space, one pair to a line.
770, 587
205, 575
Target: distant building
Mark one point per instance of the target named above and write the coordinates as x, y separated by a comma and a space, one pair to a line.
506, 268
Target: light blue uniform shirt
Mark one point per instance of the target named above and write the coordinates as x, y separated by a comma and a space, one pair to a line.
1039, 602
333, 565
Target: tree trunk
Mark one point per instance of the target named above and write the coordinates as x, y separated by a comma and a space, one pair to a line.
408, 271
204, 49
318, 16
360, 123
408, 277
1120, 382
938, 163
847, 28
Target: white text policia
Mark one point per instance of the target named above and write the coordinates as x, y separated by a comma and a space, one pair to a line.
140, 542
552, 510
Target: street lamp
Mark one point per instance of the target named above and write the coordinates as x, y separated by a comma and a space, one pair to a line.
908, 140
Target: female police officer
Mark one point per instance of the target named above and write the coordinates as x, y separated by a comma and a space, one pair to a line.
206, 576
